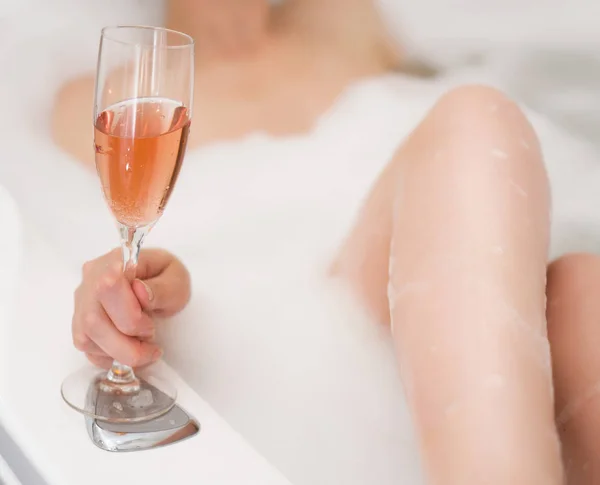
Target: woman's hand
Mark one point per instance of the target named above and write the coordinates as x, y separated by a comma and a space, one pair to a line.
113, 318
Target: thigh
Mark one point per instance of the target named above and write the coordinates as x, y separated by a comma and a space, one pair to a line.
451, 248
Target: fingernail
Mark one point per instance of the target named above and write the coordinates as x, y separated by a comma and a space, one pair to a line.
157, 355
148, 290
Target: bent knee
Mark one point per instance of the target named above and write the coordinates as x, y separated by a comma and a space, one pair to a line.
572, 289
484, 120
477, 136
477, 103
571, 271
482, 126
476, 96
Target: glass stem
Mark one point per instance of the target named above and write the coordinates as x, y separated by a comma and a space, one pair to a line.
131, 244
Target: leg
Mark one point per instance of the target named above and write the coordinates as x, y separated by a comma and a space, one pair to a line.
574, 332
461, 219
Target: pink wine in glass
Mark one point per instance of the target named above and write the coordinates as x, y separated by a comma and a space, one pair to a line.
140, 145
142, 110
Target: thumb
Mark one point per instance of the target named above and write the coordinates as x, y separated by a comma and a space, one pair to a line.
166, 294
144, 293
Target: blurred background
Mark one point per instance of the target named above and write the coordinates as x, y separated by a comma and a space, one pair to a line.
546, 53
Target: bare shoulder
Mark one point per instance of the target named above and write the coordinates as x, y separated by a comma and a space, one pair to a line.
72, 119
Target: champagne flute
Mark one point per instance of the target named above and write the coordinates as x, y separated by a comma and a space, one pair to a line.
142, 115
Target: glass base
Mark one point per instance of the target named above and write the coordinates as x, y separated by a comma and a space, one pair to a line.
90, 392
